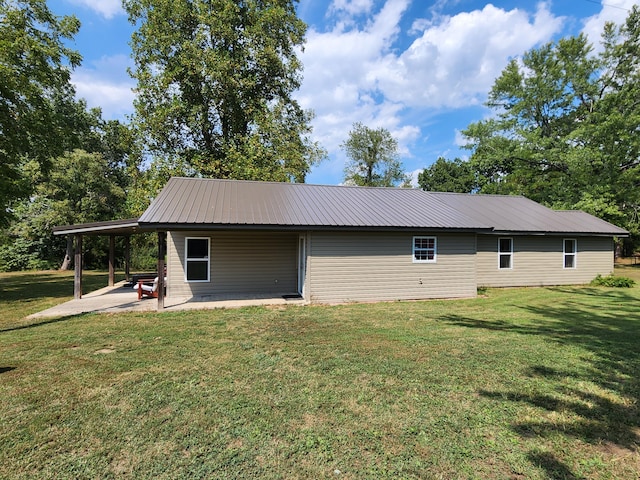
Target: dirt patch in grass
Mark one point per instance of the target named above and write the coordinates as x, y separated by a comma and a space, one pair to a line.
104, 351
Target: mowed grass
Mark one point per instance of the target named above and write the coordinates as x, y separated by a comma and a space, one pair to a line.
519, 383
24, 293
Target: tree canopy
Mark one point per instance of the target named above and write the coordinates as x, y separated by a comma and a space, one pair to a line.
35, 92
373, 158
78, 187
448, 176
215, 83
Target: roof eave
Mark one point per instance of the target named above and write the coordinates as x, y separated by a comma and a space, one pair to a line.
113, 227
622, 234
272, 227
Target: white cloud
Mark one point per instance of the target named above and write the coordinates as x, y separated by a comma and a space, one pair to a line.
413, 177
615, 11
106, 8
455, 62
361, 71
460, 139
338, 83
351, 7
105, 84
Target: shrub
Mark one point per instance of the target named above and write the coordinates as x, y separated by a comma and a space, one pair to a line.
612, 281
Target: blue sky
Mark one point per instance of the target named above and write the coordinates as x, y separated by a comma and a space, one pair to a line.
419, 68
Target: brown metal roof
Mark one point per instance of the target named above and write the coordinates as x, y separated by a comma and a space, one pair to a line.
520, 215
580, 220
192, 203
198, 203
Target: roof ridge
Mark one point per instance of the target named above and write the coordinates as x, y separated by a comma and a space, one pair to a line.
302, 184
501, 195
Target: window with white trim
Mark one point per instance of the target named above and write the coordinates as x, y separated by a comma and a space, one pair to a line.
424, 249
505, 253
196, 259
569, 252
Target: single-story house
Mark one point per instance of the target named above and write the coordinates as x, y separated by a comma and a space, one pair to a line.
229, 238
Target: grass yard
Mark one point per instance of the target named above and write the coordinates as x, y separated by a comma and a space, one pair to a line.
24, 293
517, 384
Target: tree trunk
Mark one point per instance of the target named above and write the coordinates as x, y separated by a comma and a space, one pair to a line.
66, 263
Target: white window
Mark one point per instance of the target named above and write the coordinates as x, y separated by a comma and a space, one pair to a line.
196, 259
505, 253
570, 252
424, 249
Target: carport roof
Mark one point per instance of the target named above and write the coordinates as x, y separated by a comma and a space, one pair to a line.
114, 227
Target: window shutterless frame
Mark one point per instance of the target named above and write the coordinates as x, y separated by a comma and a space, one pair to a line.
569, 253
505, 253
425, 249
196, 255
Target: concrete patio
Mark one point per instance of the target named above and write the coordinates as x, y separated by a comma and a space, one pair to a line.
122, 298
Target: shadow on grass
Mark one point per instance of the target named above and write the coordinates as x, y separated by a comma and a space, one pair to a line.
6, 369
555, 469
29, 285
24, 286
607, 324
36, 323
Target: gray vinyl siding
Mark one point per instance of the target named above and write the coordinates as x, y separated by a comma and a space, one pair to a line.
241, 264
345, 267
538, 260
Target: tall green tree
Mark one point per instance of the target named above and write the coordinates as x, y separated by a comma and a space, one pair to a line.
35, 91
215, 84
611, 133
448, 176
566, 123
525, 147
373, 158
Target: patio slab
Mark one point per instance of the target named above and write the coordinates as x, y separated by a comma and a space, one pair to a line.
122, 298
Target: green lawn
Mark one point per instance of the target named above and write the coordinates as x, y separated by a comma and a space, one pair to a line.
518, 384
24, 293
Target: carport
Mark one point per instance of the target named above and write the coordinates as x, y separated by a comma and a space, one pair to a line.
115, 228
